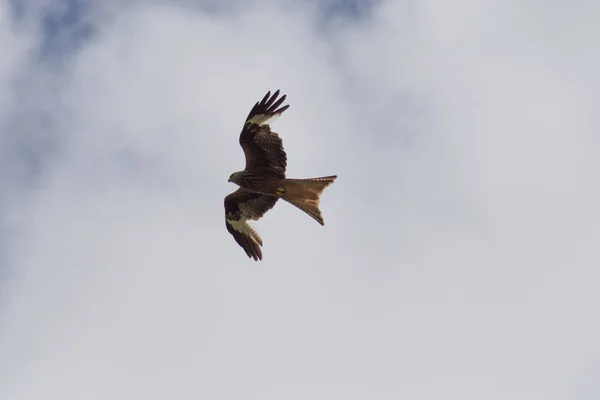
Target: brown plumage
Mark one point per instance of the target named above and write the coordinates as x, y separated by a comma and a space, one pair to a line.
263, 181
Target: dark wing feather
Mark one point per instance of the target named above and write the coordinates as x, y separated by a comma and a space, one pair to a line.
241, 206
262, 147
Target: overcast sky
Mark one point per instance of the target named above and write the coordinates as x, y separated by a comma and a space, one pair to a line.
460, 257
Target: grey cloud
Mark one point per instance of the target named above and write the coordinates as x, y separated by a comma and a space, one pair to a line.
458, 259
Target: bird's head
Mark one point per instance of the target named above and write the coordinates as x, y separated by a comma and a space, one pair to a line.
235, 177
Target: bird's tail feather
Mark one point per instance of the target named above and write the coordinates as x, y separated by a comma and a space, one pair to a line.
306, 193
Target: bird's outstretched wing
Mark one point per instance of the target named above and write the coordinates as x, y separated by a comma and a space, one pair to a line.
262, 147
241, 206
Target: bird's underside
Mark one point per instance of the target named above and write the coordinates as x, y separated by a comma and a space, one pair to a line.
262, 183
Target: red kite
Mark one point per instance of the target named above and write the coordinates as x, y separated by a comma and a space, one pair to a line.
263, 181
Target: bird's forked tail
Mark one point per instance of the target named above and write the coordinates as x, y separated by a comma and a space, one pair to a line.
305, 194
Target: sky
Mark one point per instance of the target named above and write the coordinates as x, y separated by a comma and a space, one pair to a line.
459, 257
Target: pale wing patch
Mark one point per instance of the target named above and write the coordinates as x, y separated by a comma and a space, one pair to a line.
245, 229
263, 119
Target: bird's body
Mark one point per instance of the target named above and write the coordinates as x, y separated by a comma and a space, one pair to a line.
263, 182
257, 183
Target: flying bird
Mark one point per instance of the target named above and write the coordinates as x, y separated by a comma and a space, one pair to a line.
263, 181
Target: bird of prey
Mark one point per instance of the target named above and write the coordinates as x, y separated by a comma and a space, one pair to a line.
263, 181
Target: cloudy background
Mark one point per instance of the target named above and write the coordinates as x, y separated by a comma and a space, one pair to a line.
460, 257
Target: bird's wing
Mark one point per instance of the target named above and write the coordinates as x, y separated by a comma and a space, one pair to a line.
262, 147
241, 206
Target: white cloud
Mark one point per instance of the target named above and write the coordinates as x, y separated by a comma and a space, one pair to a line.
459, 257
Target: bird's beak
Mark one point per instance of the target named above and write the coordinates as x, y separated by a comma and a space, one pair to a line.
229, 180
